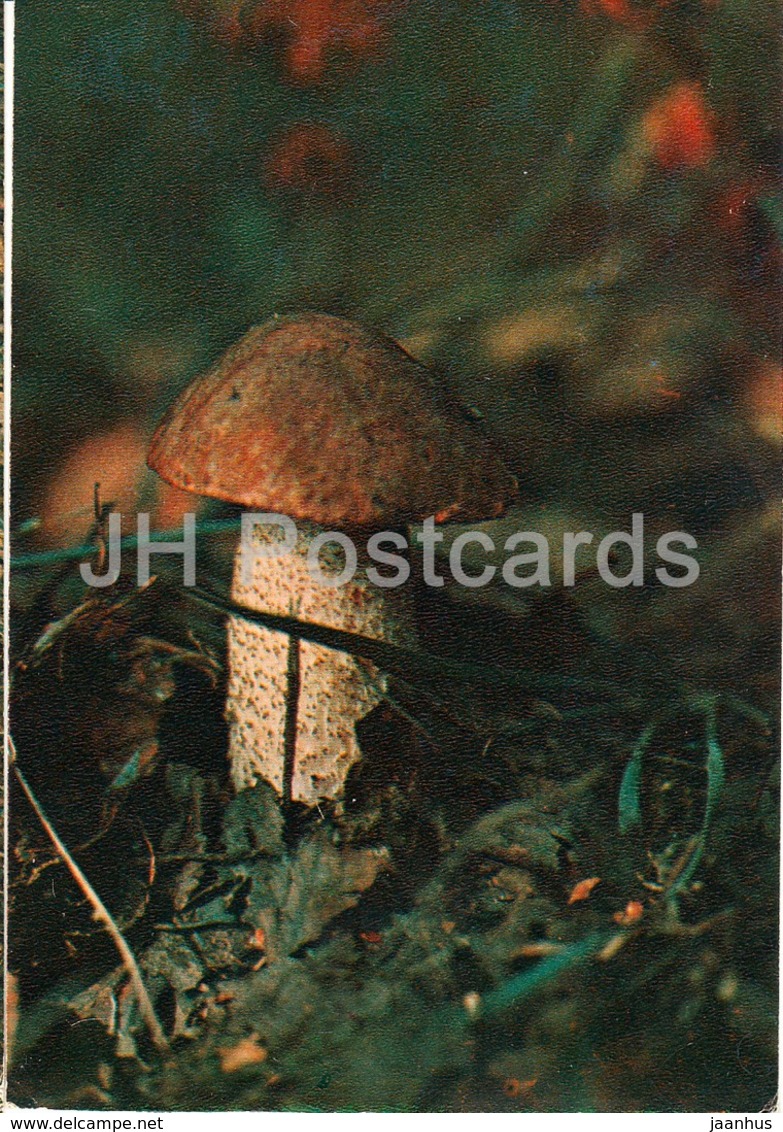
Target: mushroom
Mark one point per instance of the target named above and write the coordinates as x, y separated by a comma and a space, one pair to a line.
314, 418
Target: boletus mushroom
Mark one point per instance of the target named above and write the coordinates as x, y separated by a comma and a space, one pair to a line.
314, 418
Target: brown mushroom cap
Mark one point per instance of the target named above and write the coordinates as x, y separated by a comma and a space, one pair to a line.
314, 417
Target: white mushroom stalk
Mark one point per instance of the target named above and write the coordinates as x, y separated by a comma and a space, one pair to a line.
293, 706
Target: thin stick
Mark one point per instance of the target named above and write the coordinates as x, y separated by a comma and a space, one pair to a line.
100, 912
291, 719
38, 560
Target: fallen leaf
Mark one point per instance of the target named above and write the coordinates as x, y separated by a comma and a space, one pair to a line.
582, 889
246, 1052
293, 899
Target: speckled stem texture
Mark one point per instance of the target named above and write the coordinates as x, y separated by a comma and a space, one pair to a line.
336, 690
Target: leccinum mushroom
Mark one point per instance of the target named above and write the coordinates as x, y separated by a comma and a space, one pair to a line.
313, 418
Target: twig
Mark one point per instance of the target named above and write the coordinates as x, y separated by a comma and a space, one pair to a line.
403, 661
100, 912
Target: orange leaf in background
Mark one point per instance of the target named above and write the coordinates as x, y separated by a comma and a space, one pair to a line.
631, 914
258, 940
316, 28
312, 30
680, 128
115, 459
582, 889
246, 1052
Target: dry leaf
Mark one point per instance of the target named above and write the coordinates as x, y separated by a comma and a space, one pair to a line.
582, 889
246, 1052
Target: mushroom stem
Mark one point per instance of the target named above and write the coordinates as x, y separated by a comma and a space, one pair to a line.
303, 740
